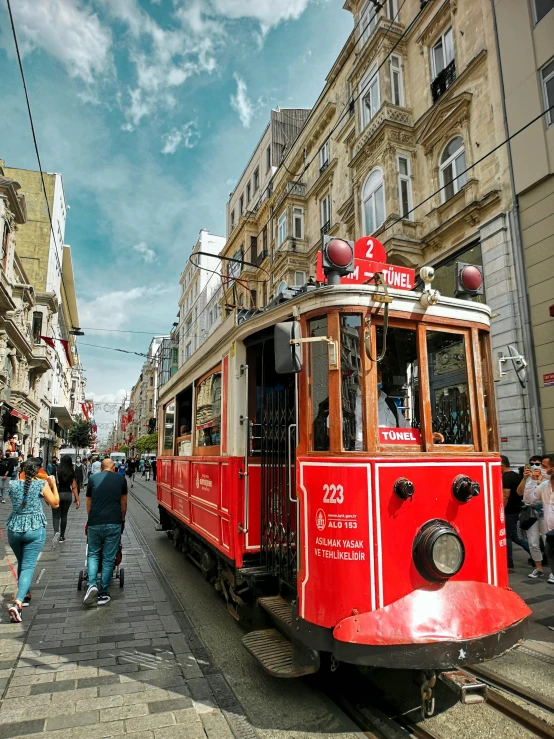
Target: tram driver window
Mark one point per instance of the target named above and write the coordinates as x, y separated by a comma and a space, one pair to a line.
351, 382
169, 426
448, 387
208, 411
398, 379
320, 386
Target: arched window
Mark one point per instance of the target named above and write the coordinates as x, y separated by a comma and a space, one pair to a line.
452, 164
373, 201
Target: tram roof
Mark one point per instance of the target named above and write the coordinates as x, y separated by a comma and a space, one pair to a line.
328, 296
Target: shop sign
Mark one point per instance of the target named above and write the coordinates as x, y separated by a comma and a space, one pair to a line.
548, 379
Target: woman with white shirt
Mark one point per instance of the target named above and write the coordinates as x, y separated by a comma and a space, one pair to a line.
533, 475
545, 493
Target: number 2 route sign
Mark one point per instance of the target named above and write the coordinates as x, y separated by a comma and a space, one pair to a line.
370, 257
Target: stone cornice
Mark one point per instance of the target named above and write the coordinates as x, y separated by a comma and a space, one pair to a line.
385, 30
441, 118
322, 180
8, 189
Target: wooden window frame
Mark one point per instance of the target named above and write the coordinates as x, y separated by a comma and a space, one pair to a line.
206, 451
163, 451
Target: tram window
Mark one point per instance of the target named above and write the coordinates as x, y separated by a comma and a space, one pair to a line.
320, 386
398, 379
488, 391
208, 411
169, 426
448, 387
351, 382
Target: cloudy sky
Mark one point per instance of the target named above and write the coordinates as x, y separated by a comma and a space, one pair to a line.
150, 109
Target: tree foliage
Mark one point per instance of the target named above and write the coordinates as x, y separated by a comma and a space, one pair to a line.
123, 448
147, 443
79, 434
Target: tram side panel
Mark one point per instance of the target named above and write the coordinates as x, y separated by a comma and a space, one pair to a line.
208, 496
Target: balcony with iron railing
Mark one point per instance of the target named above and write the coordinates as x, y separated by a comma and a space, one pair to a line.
443, 80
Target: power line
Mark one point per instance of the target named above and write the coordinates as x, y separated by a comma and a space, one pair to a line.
113, 349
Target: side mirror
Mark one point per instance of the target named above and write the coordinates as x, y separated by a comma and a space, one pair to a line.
288, 357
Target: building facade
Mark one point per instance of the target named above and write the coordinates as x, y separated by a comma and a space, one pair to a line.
200, 281
525, 33
48, 265
392, 147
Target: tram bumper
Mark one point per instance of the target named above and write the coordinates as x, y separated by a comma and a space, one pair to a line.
435, 628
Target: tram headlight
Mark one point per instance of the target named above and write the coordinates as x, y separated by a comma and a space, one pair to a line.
438, 551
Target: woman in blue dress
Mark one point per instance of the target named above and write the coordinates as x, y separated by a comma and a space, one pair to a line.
26, 526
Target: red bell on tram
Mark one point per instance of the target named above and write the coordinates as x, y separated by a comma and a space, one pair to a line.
337, 258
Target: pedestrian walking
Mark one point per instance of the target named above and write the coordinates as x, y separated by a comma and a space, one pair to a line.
533, 474
67, 489
7, 467
147, 468
122, 469
96, 466
81, 473
52, 467
154, 468
141, 466
26, 526
106, 508
545, 493
131, 470
512, 507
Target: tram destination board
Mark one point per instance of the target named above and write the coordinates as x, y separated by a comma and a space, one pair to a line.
370, 257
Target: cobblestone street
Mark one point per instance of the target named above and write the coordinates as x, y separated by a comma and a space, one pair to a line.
134, 667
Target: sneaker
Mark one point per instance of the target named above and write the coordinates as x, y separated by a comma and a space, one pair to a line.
3, 500
62, 539
27, 600
90, 595
103, 599
550, 580
15, 613
536, 574
55, 539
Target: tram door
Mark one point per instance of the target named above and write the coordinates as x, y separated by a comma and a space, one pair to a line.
276, 442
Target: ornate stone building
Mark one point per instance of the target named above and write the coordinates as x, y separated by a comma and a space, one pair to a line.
22, 362
392, 148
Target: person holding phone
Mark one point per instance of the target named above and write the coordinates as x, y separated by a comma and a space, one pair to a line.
26, 526
544, 492
534, 473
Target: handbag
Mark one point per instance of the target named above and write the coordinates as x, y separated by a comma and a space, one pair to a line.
527, 517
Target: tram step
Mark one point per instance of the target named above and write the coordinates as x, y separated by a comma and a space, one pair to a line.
280, 612
275, 654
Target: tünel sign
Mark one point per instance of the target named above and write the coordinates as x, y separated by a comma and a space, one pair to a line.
399, 436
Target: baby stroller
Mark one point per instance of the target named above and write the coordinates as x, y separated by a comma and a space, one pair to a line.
118, 571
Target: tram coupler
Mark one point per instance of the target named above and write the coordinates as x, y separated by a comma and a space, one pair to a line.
469, 688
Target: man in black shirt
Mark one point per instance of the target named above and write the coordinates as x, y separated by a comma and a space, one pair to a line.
106, 508
7, 466
512, 507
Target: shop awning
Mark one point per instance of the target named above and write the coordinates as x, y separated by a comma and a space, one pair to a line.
18, 414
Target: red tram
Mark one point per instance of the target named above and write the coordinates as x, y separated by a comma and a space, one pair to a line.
344, 505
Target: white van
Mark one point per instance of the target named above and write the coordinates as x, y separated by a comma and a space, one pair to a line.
118, 457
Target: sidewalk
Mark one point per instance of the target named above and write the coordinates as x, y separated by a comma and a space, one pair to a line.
134, 667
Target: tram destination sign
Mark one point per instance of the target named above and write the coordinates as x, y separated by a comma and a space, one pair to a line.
370, 257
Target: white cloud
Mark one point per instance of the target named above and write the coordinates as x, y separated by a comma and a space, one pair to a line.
242, 104
66, 30
148, 255
268, 13
187, 136
115, 309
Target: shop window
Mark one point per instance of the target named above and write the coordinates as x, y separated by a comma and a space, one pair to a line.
208, 411
448, 387
373, 201
452, 169
169, 426
319, 368
351, 382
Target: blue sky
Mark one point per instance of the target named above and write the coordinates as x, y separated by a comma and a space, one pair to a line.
150, 109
